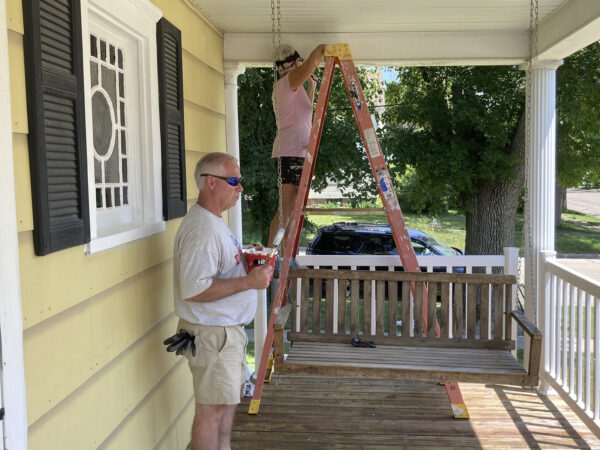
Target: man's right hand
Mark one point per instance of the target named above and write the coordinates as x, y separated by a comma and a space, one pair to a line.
260, 277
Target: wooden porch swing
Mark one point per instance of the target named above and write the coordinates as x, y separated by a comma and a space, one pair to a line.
473, 311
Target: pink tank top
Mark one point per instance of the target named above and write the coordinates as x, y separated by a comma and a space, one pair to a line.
293, 110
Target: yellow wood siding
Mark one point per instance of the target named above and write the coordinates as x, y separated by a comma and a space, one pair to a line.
97, 374
155, 415
18, 99
22, 183
208, 132
180, 430
202, 85
110, 398
199, 36
48, 289
14, 16
82, 340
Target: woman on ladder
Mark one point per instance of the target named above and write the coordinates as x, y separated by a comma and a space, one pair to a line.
293, 107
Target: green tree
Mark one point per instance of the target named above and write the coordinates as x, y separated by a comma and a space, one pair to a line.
578, 109
463, 130
256, 134
455, 134
460, 128
340, 157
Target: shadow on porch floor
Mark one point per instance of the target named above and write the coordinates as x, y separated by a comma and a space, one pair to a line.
333, 413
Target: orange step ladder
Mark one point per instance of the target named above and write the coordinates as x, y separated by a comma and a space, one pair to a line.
341, 54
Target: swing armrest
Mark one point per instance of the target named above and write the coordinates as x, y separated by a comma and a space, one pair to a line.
535, 351
526, 324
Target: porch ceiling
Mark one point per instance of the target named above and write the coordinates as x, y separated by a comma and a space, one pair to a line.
405, 32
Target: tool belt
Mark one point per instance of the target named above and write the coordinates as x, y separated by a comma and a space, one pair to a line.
181, 342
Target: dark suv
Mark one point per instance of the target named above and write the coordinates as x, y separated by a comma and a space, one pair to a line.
350, 238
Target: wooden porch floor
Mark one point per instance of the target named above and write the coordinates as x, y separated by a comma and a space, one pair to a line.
334, 413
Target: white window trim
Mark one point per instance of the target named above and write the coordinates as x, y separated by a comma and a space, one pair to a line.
137, 18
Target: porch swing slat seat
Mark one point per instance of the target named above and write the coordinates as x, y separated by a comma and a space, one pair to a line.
473, 312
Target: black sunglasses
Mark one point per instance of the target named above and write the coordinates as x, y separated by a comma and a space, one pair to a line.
232, 181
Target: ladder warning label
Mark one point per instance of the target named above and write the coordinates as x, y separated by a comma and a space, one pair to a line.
383, 178
372, 146
385, 184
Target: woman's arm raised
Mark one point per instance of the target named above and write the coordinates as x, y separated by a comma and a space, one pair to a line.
301, 73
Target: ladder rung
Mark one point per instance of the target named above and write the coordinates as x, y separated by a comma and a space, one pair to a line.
342, 211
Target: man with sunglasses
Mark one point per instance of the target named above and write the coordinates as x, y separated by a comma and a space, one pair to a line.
214, 298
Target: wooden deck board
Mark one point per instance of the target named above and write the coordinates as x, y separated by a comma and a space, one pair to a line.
340, 413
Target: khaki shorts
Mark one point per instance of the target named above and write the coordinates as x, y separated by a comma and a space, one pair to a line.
219, 367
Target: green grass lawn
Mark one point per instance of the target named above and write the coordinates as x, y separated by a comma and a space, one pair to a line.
578, 233
450, 229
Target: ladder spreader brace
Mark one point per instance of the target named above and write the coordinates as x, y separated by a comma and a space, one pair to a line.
341, 54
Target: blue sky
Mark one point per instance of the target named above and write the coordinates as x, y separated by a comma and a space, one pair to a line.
388, 75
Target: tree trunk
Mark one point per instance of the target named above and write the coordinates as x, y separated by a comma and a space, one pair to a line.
491, 220
560, 203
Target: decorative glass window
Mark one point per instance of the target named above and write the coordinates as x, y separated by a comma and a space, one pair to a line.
109, 123
122, 121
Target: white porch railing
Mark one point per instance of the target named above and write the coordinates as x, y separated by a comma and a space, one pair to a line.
571, 327
508, 263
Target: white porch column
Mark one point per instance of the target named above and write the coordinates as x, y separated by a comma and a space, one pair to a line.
232, 70
12, 375
541, 178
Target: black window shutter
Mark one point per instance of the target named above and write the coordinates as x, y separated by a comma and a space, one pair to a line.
170, 87
55, 106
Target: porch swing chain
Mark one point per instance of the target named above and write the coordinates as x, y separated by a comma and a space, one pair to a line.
533, 54
276, 31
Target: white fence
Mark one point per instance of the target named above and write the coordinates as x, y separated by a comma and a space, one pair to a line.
570, 313
507, 263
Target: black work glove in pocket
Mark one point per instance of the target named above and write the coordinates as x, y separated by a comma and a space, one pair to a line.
180, 343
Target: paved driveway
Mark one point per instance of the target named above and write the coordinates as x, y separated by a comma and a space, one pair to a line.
586, 201
588, 266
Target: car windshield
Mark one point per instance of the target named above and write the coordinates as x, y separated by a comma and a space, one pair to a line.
439, 246
341, 243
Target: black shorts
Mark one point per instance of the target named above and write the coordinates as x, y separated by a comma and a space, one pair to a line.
291, 169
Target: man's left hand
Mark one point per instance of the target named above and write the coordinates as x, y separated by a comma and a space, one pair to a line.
260, 277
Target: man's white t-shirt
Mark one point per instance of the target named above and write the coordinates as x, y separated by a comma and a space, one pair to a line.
205, 248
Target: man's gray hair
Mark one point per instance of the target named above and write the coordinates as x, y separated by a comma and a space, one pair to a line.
211, 163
